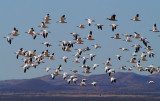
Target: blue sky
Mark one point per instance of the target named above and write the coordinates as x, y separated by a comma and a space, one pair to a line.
24, 14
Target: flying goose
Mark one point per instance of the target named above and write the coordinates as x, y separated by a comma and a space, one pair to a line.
94, 83
99, 26
14, 32
96, 46
112, 18
95, 66
114, 26
53, 75
119, 57
43, 25
81, 26
9, 39
112, 79
136, 18
46, 44
154, 28
62, 19
90, 21
116, 36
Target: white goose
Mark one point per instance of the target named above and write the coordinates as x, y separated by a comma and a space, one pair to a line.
113, 80
136, 35
83, 84
46, 44
154, 28
94, 83
96, 46
14, 32
90, 21
9, 39
53, 76
114, 26
99, 26
119, 57
48, 69
65, 58
151, 82
65, 75
95, 66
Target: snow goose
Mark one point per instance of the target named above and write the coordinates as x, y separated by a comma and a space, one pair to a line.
136, 18
90, 21
114, 26
99, 26
62, 19
9, 39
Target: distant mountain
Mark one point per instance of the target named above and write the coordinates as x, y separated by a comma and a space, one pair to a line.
127, 83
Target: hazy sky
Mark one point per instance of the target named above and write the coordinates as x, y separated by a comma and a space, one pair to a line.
24, 14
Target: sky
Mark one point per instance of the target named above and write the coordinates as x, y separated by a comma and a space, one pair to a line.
25, 14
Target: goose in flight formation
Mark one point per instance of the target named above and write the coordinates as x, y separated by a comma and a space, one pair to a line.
79, 41
53, 75
99, 26
48, 69
96, 46
76, 60
74, 71
46, 44
113, 80
44, 33
14, 32
46, 19
149, 48
108, 62
9, 39
81, 26
124, 49
136, 35
119, 57
89, 36
83, 83
75, 35
95, 66
116, 36
132, 60
43, 25
110, 71
154, 28
91, 56
128, 39
94, 83
112, 18
62, 19
136, 18
114, 26
25, 67
65, 75
151, 82
90, 21
145, 41
65, 58
32, 32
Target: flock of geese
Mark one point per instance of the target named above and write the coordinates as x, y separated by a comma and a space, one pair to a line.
32, 59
